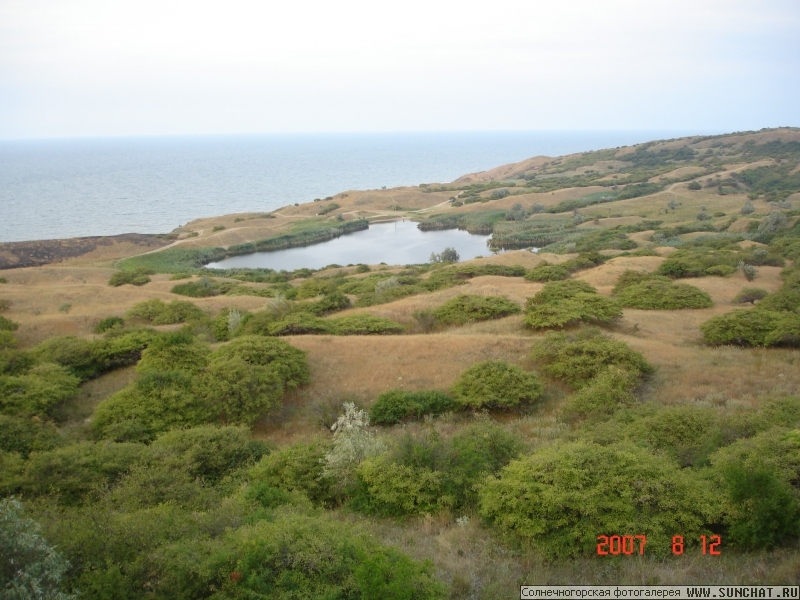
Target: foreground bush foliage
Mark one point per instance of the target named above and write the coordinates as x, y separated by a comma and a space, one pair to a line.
157, 312
467, 308
562, 497
578, 357
396, 405
138, 276
754, 327
426, 473
654, 292
496, 384
562, 303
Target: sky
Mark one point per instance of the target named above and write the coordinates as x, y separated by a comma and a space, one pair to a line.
76, 68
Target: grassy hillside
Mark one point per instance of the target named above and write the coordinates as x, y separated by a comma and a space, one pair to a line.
193, 433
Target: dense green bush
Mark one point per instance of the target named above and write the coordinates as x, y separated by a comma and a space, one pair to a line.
296, 468
395, 405
7, 324
300, 323
784, 300
209, 453
73, 472
577, 358
158, 312
751, 296
364, 324
174, 352
496, 384
156, 402
288, 362
563, 496
604, 394
466, 308
698, 262
202, 288
76, 354
37, 392
330, 303
109, 323
31, 568
425, 473
14, 362
663, 295
24, 435
754, 327
228, 323
562, 303
134, 277
294, 556
547, 272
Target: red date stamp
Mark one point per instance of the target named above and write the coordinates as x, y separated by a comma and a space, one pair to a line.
628, 545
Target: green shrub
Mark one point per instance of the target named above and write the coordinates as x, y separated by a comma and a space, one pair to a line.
204, 288
73, 472
751, 296
663, 295
109, 323
720, 270
562, 303
15, 362
25, 435
318, 286
763, 510
293, 556
174, 353
563, 496
364, 324
31, 568
7, 340
577, 358
395, 405
209, 453
37, 392
156, 402
547, 272
362, 268
296, 468
686, 433
332, 302
8, 324
784, 300
74, 353
288, 362
467, 308
424, 473
742, 327
228, 323
496, 384
158, 312
134, 277
630, 277
301, 323
604, 394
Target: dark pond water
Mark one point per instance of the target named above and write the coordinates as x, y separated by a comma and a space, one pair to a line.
397, 243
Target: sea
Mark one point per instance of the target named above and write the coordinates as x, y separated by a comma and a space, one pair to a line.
62, 188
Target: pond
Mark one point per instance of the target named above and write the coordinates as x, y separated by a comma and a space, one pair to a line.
396, 243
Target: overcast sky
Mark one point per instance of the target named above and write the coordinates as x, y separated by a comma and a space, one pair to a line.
145, 67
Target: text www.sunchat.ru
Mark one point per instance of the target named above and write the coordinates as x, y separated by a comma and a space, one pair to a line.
659, 591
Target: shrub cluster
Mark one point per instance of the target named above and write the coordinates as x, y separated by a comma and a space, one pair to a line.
547, 272
578, 357
495, 384
397, 405
425, 473
183, 384
656, 292
562, 303
774, 321
158, 312
138, 276
468, 308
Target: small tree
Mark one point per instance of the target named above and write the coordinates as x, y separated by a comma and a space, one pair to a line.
353, 442
447, 255
747, 208
749, 271
29, 566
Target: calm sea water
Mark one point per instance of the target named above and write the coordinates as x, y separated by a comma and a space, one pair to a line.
67, 188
